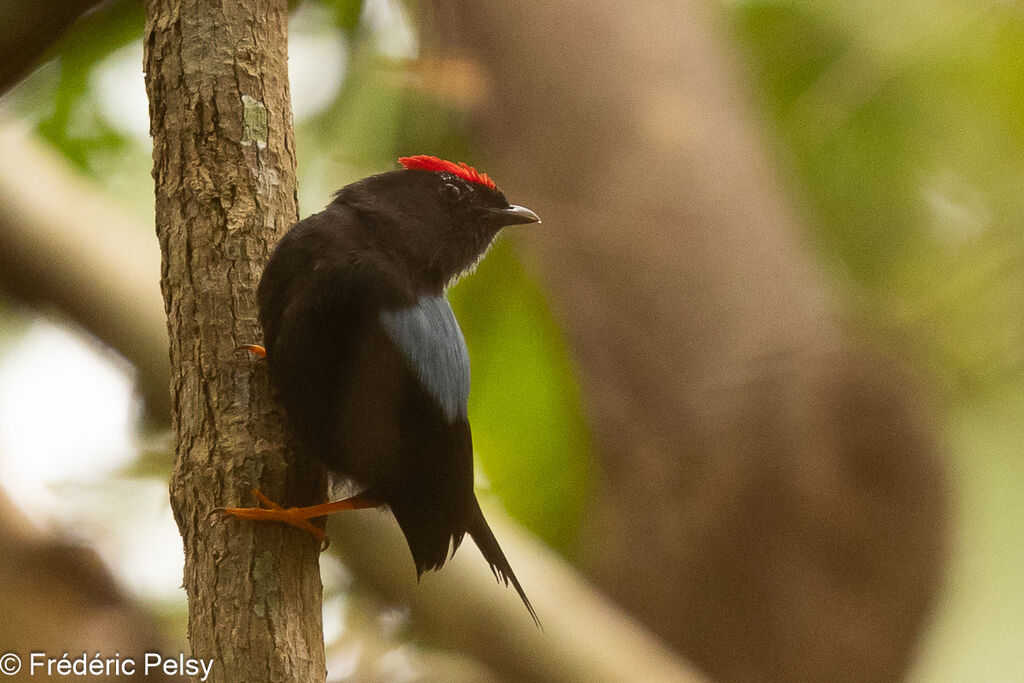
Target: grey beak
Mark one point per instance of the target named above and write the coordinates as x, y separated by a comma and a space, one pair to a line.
516, 215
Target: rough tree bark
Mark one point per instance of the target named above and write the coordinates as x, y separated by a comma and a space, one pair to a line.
772, 503
224, 166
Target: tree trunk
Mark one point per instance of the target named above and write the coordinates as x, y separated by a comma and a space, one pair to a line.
224, 166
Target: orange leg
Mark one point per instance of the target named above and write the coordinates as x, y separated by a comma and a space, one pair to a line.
297, 517
253, 348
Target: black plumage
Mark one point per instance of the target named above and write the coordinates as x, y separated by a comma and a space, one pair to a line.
367, 357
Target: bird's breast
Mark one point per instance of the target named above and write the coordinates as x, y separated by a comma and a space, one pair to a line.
429, 338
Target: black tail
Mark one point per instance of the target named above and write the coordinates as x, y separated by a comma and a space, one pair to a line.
488, 544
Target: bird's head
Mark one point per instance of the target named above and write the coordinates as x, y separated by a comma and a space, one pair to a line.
437, 216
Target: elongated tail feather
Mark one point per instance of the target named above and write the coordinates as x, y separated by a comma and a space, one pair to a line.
488, 545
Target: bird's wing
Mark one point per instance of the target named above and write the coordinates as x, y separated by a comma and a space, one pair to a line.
431, 342
433, 496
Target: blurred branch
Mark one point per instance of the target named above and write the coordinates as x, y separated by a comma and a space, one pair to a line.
63, 245
30, 27
59, 598
585, 637
460, 607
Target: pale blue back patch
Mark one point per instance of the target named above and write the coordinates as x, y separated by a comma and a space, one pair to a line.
430, 339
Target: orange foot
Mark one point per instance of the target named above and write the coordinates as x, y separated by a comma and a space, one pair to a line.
253, 348
297, 517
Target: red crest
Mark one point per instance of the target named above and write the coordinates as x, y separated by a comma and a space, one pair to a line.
424, 162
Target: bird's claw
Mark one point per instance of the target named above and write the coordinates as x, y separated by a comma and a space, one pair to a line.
272, 512
254, 349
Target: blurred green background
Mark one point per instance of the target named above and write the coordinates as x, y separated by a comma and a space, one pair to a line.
899, 128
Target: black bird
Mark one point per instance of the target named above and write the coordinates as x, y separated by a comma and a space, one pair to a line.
368, 359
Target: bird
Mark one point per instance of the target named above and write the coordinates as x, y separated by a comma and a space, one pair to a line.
367, 357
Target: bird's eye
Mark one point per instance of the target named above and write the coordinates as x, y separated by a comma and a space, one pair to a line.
450, 192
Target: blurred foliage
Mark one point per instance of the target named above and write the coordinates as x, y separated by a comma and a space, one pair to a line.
534, 440
977, 634
346, 13
901, 124
74, 127
900, 127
